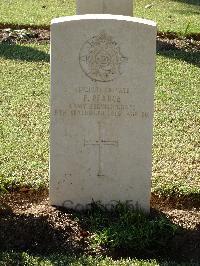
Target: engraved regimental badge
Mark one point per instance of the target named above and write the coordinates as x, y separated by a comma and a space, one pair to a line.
101, 59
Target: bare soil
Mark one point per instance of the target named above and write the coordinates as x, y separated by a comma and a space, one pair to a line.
28, 222
23, 36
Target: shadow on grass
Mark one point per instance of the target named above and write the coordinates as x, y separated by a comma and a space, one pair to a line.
185, 12
189, 2
22, 52
30, 54
60, 231
168, 50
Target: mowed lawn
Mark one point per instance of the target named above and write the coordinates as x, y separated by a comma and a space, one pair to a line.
24, 121
181, 16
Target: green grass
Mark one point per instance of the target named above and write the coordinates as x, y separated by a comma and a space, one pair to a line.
180, 16
123, 228
24, 121
34, 12
177, 124
25, 259
24, 141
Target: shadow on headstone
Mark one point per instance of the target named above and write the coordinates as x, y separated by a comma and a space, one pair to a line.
22, 52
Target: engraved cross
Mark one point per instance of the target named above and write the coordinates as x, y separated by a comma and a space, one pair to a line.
101, 143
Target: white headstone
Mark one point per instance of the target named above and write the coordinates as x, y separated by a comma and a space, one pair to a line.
102, 90
115, 7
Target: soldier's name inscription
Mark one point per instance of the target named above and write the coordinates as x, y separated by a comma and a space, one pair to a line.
102, 101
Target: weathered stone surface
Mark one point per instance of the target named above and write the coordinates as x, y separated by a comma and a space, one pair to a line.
102, 87
115, 7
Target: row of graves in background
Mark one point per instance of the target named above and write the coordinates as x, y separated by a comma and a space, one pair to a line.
102, 92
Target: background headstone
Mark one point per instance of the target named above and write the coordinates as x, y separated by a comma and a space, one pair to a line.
102, 88
115, 7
